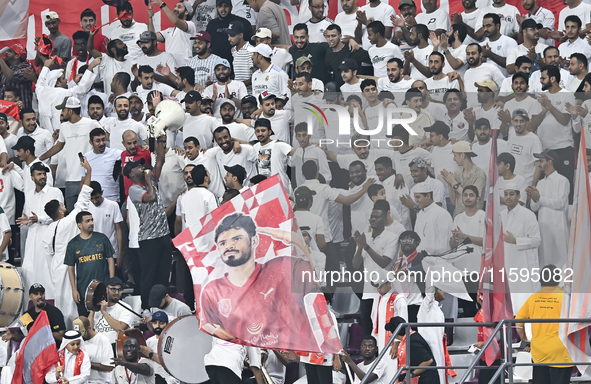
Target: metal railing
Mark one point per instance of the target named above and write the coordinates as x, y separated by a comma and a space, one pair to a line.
506, 339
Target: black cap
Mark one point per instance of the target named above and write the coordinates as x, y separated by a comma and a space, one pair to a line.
439, 127
385, 95
548, 154
303, 193
262, 122
235, 28
506, 158
331, 90
348, 64
113, 281
218, 2
3, 117
38, 166
24, 142
530, 23
36, 288
192, 97
131, 165
238, 171
249, 99
157, 293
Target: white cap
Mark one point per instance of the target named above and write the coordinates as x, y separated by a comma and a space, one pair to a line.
511, 187
263, 49
52, 15
262, 33
422, 188
69, 102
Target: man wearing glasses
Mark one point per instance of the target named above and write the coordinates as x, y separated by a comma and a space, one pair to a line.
112, 318
318, 23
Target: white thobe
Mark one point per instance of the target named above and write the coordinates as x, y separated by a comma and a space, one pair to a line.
522, 223
70, 363
430, 312
56, 239
433, 225
393, 197
36, 263
552, 211
379, 312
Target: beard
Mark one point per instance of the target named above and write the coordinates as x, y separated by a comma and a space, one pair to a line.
158, 331
236, 262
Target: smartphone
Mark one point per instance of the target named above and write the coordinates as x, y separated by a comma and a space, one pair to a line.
81, 157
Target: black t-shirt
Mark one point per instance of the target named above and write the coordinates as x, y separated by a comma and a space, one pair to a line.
316, 52
420, 352
334, 60
54, 315
217, 29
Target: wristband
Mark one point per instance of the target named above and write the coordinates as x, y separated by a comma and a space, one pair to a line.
162, 5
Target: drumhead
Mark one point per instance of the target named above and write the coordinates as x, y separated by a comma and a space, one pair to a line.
95, 293
182, 347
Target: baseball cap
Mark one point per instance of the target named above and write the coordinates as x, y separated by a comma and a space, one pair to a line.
51, 15
520, 112
331, 91
113, 281
133, 96
131, 165
235, 28
303, 193
530, 23
36, 288
439, 127
188, 6
157, 293
406, 2
218, 2
3, 117
238, 171
147, 36
38, 166
262, 122
263, 49
348, 64
262, 33
223, 62
69, 102
422, 188
301, 60
249, 99
160, 316
548, 154
192, 96
463, 147
487, 84
19, 50
266, 96
228, 101
202, 36
24, 142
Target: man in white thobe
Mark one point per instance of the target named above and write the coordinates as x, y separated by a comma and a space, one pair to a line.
550, 200
36, 261
430, 312
521, 233
56, 239
433, 224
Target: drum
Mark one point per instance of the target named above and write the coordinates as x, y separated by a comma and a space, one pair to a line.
125, 334
12, 295
182, 347
95, 293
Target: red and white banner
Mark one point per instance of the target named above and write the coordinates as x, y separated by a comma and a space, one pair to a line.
577, 293
13, 19
252, 276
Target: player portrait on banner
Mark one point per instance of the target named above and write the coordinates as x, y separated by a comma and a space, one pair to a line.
253, 277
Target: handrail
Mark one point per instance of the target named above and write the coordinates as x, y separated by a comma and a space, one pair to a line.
498, 326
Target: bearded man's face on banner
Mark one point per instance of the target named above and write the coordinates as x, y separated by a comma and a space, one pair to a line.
235, 246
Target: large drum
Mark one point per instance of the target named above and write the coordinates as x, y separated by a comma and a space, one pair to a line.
182, 347
95, 293
11, 294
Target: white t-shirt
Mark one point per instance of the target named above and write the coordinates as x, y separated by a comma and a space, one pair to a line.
204, 13
109, 67
236, 88
422, 56
402, 160
523, 148
77, 139
247, 157
442, 158
143, 93
553, 134
519, 181
398, 89
316, 30
439, 19
460, 54
348, 23
379, 57
380, 13
583, 11
129, 36
99, 351
501, 47
178, 43
380, 371
4, 228
522, 50
230, 355
483, 71
201, 127
102, 171
314, 223
509, 24
123, 376
472, 226
272, 160
105, 217
117, 127
43, 140
482, 161
437, 88
9, 181
159, 370
197, 202
239, 131
118, 313
280, 125
470, 20
163, 59
281, 58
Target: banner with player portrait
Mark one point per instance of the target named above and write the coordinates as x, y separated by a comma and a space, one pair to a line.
252, 275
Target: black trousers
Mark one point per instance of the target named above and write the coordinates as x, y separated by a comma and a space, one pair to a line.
566, 167
221, 375
318, 374
155, 260
366, 322
484, 375
82, 311
552, 375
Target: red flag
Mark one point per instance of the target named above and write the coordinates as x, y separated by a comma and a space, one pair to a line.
37, 353
496, 303
10, 108
577, 297
251, 270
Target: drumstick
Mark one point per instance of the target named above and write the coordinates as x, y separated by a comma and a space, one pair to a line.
130, 310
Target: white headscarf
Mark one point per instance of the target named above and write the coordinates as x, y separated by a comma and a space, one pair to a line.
69, 337
53, 76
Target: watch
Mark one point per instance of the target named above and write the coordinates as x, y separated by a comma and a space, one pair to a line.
150, 355
366, 247
162, 5
456, 186
446, 52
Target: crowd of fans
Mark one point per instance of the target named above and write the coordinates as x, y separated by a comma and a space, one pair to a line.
83, 198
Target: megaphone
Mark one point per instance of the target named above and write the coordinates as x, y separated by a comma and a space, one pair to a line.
168, 115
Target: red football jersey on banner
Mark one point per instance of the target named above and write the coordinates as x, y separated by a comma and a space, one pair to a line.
263, 311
